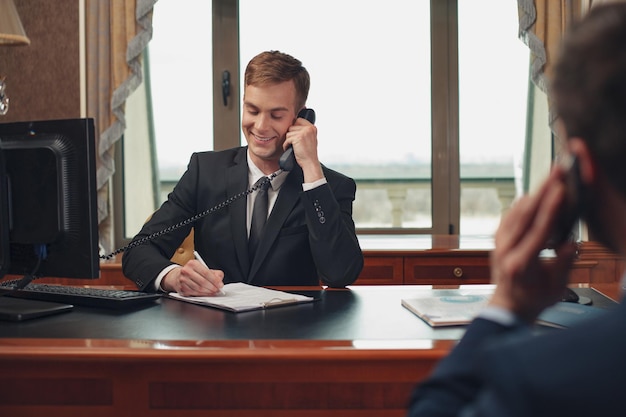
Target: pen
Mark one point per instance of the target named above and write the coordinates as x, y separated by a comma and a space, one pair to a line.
199, 258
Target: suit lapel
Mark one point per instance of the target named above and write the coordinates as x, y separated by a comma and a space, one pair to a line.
288, 197
237, 182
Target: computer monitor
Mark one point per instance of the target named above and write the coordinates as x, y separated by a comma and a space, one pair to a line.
48, 211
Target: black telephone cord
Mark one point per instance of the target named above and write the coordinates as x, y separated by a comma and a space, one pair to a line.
190, 220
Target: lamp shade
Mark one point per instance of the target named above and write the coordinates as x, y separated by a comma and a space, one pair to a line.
11, 29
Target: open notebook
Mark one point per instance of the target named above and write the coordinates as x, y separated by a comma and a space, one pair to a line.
240, 297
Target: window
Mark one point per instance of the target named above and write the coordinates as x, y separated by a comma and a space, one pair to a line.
370, 89
493, 84
177, 97
433, 135
181, 87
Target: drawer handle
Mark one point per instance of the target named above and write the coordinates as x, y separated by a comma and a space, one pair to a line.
458, 272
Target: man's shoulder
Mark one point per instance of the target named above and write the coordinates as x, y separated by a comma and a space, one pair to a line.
225, 153
226, 156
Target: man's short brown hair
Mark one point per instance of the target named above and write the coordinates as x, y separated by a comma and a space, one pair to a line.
589, 87
273, 67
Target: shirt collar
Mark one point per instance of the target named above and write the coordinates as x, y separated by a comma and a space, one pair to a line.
254, 173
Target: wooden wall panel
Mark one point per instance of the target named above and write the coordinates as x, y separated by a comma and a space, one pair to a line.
43, 79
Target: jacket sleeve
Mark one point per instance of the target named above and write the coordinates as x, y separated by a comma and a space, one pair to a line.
332, 236
456, 386
142, 262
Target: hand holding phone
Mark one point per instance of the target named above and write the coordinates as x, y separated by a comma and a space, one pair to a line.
287, 160
572, 206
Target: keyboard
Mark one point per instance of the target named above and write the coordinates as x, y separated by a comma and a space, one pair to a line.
83, 296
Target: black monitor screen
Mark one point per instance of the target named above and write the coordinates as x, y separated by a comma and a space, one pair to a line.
48, 197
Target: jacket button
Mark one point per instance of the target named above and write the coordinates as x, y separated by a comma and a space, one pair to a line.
320, 212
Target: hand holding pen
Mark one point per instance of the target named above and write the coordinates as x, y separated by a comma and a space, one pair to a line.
199, 258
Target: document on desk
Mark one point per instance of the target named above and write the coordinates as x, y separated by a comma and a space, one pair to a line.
239, 297
452, 307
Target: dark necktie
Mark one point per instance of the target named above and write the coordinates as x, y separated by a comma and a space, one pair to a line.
259, 216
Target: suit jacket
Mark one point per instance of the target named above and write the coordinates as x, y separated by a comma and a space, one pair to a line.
510, 371
309, 236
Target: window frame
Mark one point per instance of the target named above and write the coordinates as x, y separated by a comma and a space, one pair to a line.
445, 109
445, 158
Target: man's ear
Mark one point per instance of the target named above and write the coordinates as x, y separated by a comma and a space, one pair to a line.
588, 165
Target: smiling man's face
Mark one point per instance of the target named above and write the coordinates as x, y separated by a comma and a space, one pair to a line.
268, 112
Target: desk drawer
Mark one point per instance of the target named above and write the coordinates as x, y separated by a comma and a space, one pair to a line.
381, 270
446, 270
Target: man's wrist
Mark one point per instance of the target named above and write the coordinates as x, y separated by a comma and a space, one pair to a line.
499, 315
160, 278
311, 185
313, 173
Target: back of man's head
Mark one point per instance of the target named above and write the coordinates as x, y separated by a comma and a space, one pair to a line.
589, 87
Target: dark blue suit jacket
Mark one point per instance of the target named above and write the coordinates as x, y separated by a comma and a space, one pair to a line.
309, 236
509, 371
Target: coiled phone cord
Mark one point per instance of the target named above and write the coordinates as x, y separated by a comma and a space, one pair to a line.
192, 219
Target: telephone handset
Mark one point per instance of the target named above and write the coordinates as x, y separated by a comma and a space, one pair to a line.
286, 163
288, 160
573, 207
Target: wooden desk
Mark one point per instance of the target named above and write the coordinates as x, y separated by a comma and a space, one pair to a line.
464, 259
354, 352
426, 259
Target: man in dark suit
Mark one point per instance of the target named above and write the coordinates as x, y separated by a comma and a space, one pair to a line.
309, 236
500, 368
